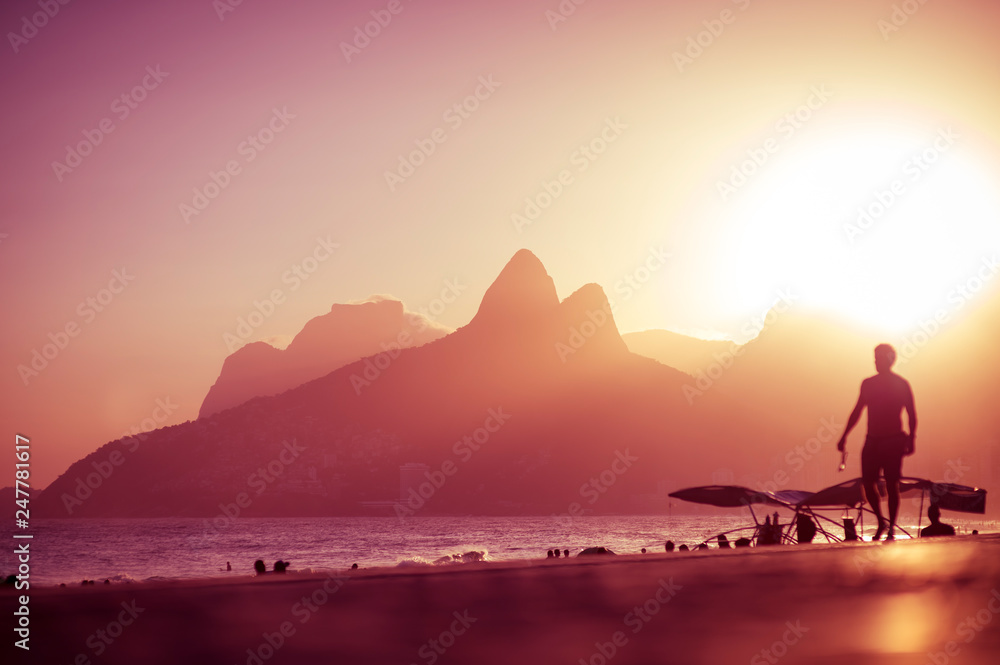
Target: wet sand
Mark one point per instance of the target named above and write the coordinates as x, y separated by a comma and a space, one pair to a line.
858, 603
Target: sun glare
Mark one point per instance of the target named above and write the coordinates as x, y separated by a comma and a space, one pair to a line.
883, 228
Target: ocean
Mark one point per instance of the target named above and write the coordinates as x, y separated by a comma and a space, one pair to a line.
125, 550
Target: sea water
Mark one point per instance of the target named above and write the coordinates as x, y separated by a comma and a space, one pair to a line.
122, 550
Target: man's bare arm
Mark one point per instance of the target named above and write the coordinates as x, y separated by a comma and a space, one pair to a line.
852, 420
911, 417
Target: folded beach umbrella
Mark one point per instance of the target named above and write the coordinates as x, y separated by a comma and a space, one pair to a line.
948, 496
734, 496
847, 494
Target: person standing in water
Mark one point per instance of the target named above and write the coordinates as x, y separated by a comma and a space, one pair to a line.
886, 395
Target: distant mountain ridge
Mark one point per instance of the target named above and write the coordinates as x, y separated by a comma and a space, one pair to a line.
525, 409
558, 372
688, 354
345, 334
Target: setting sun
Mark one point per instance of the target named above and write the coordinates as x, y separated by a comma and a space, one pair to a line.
881, 225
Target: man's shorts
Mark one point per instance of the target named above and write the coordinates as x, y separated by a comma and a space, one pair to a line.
883, 453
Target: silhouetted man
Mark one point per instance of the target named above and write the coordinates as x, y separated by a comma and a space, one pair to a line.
805, 528
937, 527
885, 395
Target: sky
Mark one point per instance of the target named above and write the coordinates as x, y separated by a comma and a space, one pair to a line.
172, 167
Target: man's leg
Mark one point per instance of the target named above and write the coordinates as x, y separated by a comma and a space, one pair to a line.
871, 493
892, 487
869, 478
893, 472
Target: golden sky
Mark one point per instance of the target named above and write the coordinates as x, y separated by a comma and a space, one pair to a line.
698, 160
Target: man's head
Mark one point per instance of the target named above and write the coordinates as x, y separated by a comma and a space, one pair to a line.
934, 513
885, 357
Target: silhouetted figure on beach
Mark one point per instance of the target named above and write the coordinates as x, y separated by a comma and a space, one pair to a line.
229, 566
281, 566
354, 566
643, 550
259, 567
850, 531
769, 533
549, 554
723, 542
682, 548
805, 528
742, 542
556, 553
669, 546
764, 532
936, 527
566, 553
886, 395
703, 546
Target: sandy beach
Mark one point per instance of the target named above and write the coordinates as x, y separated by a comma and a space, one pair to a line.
932, 601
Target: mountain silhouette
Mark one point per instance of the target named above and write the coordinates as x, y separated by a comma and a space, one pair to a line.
688, 354
529, 402
345, 334
533, 407
522, 292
